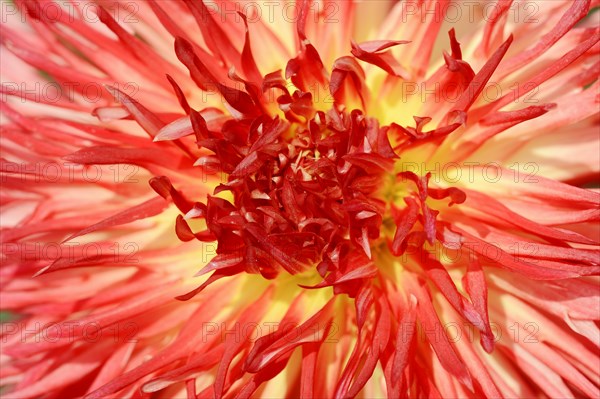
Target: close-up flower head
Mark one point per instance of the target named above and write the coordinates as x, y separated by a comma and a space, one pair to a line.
299, 199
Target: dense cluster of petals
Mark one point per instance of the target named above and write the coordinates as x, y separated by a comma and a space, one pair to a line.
267, 173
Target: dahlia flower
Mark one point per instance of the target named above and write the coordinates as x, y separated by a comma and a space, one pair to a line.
300, 199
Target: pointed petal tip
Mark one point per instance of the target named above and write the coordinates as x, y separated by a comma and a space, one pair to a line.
40, 272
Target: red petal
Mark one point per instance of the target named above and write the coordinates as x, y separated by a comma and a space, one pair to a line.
546, 74
105, 155
385, 60
498, 12
405, 225
144, 210
163, 187
248, 63
234, 342
405, 342
381, 337
439, 340
213, 34
312, 330
146, 119
375, 46
478, 83
476, 287
239, 100
185, 233
518, 116
577, 11
486, 203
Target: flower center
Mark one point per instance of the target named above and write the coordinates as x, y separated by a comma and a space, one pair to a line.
318, 190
